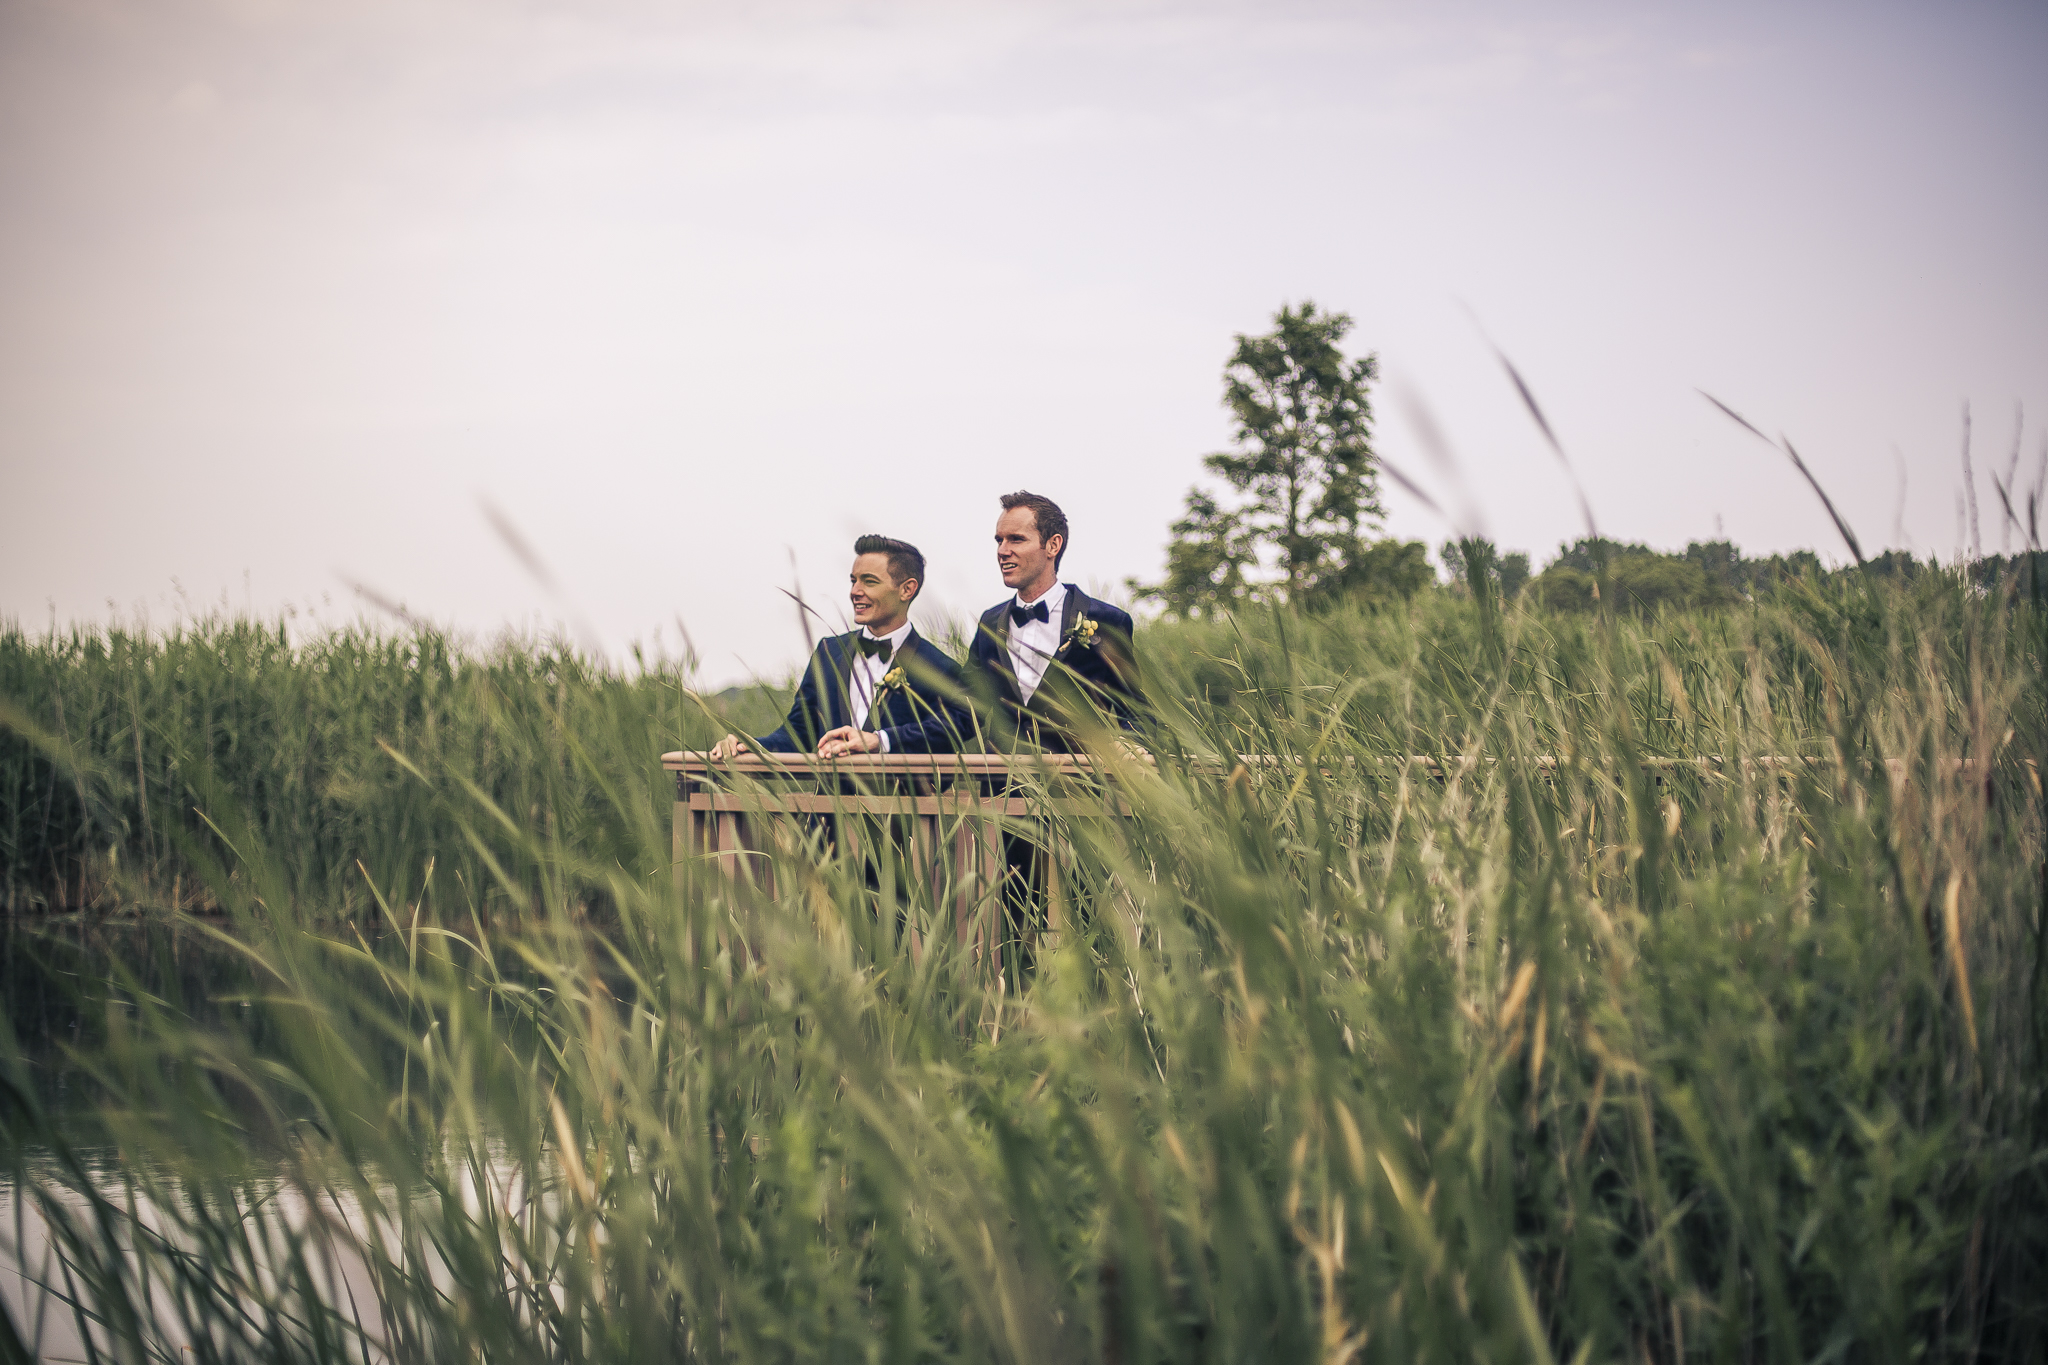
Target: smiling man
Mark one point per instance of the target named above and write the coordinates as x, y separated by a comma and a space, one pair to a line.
1052, 666
878, 689
1052, 661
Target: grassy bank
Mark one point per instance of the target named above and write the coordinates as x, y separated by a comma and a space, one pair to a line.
1582, 1059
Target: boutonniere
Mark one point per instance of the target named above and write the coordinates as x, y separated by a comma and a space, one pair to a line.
895, 680
1080, 635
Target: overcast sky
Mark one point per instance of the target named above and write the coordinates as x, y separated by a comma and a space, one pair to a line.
694, 294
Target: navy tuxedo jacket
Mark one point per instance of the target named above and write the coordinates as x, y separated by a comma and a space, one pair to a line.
926, 716
1098, 676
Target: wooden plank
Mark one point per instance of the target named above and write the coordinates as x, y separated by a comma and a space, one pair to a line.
946, 803
696, 763
680, 840
970, 881
1055, 893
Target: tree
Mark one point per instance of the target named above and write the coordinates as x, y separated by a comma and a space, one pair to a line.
1506, 572
1378, 573
1302, 423
1624, 576
1205, 561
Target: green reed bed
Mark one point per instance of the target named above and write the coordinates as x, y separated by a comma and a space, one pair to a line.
1547, 1052
113, 740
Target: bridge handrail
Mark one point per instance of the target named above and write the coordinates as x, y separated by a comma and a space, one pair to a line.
701, 766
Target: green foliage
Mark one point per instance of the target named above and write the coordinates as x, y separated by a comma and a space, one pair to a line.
1707, 574
1505, 575
1635, 583
1566, 1047
1206, 562
141, 732
2023, 576
1302, 419
1380, 571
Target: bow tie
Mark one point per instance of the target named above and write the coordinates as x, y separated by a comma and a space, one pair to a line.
1034, 612
870, 648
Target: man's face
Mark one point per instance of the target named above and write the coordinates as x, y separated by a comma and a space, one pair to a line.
879, 601
1025, 559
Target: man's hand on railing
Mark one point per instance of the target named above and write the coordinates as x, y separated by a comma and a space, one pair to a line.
731, 747
848, 740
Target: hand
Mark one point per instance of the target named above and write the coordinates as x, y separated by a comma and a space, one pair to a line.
731, 747
847, 740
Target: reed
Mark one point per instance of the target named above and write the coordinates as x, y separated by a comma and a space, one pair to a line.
119, 738
1589, 1058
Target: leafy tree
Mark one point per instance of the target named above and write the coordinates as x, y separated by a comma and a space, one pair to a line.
1783, 568
1514, 572
1564, 588
1377, 572
1205, 561
1723, 564
1634, 577
1508, 572
1303, 463
1588, 554
2023, 575
1898, 564
1647, 582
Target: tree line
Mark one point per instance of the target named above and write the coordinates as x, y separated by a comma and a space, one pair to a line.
1297, 517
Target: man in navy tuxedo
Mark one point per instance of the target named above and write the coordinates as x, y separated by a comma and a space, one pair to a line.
1050, 666
1051, 663
881, 688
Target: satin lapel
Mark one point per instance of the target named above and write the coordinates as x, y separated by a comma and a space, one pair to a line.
900, 659
842, 696
1004, 668
1070, 608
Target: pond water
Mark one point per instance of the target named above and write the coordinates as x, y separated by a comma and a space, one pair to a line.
63, 984
59, 980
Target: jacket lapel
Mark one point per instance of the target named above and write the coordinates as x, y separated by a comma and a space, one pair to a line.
883, 702
842, 695
1006, 673
1070, 608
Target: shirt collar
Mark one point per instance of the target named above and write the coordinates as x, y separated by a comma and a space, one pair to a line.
895, 637
1055, 597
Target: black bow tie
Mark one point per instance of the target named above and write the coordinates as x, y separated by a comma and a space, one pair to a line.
1034, 612
870, 648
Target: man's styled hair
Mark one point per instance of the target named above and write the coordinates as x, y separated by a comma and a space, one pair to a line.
1047, 514
905, 559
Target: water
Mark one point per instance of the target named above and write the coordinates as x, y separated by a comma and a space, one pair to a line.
69, 988
65, 985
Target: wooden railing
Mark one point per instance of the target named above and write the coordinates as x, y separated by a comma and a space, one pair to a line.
957, 806
946, 815
949, 810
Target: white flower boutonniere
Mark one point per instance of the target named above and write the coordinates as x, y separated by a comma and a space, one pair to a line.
1080, 635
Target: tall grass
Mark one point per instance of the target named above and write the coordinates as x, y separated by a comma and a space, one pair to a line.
121, 736
1549, 1051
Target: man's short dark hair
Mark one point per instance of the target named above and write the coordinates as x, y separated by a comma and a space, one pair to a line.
1046, 513
905, 559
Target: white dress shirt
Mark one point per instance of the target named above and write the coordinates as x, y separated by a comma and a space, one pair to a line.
1033, 644
867, 675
